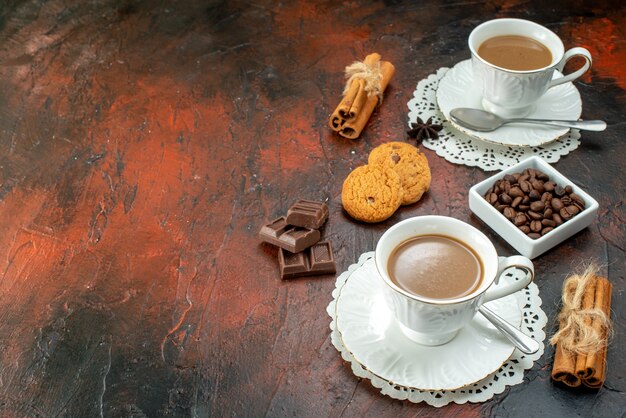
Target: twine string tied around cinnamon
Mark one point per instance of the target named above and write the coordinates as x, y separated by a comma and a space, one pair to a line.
371, 74
576, 334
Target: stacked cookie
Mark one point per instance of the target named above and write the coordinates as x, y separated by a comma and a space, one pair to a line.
396, 174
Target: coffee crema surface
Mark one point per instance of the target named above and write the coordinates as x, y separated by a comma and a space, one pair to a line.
514, 52
435, 267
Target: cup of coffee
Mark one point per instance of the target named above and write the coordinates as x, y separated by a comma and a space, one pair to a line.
515, 60
437, 271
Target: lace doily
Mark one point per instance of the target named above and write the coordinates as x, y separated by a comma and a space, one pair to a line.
459, 148
511, 373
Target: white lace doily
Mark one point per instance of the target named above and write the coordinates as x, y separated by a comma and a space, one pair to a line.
511, 372
459, 148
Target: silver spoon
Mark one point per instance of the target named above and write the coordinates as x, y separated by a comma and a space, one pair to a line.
523, 342
483, 121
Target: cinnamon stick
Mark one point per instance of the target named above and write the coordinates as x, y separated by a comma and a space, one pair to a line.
359, 101
575, 365
336, 122
587, 304
564, 367
348, 107
352, 129
595, 364
353, 100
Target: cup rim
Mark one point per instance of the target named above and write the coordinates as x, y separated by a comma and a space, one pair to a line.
431, 301
552, 64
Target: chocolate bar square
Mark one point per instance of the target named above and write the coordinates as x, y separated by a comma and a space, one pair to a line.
307, 214
289, 237
315, 260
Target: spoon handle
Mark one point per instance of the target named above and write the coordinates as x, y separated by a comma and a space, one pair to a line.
520, 340
586, 125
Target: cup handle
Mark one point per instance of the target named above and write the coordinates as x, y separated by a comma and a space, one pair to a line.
499, 291
571, 53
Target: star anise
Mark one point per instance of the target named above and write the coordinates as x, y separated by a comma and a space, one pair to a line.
422, 130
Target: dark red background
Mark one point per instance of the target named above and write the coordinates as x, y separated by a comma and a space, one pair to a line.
144, 143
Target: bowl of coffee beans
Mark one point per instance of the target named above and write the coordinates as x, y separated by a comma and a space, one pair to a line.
532, 206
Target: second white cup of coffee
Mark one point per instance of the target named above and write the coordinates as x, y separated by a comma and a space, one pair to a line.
511, 92
435, 318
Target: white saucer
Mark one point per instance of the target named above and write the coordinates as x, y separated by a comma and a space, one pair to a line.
371, 334
457, 89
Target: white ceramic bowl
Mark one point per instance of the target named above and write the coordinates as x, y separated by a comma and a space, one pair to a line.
526, 246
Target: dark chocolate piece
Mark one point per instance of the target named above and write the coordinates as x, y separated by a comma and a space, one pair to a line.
291, 238
307, 214
313, 261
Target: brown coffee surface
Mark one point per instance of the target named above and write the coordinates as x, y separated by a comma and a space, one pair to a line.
515, 52
436, 267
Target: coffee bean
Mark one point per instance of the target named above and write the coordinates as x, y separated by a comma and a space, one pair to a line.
577, 199
549, 186
556, 204
534, 195
566, 213
511, 179
537, 206
515, 191
509, 212
547, 213
559, 191
538, 185
573, 209
520, 219
534, 203
501, 207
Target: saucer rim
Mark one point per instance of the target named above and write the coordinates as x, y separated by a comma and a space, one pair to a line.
395, 384
562, 133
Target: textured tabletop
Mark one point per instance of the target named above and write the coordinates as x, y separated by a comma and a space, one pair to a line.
143, 144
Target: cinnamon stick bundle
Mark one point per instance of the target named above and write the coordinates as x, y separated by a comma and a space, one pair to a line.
364, 89
584, 328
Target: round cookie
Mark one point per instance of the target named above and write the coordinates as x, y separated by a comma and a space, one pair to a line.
371, 193
410, 164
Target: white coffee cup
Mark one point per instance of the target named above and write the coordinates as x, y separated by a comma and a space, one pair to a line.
511, 93
436, 321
